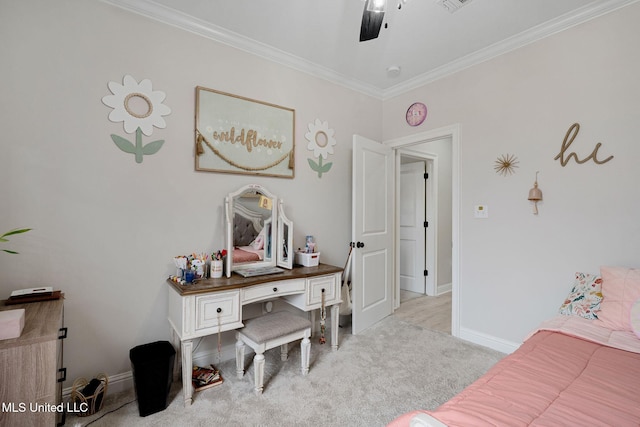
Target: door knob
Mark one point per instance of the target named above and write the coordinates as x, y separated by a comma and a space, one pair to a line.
359, 245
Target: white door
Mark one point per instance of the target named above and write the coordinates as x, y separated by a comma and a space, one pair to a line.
412, 230
372, 231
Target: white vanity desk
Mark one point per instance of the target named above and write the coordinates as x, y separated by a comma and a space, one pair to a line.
215, 305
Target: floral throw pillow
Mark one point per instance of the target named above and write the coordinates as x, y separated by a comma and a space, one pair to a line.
584, 298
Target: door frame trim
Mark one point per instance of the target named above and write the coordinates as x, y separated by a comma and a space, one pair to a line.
453, 132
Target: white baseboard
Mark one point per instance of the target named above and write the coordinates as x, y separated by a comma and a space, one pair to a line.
117, 383
490, 341
124, 381
443, 289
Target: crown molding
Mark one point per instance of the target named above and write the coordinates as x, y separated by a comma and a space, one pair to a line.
532, 35
170, 16
167, 15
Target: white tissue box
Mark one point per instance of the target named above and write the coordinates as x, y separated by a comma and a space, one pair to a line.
308, 260
11, 323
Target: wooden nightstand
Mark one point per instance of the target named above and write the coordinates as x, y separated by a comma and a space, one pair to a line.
31, 372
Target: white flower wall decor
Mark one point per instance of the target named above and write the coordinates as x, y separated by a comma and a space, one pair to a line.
321, 142
140, 108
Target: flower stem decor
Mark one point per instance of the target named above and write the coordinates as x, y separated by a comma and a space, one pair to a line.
321, 142
140, 108
3, 238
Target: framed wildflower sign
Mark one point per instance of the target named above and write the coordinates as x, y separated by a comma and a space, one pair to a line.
244, 136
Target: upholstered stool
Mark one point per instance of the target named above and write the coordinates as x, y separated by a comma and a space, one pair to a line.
269, 331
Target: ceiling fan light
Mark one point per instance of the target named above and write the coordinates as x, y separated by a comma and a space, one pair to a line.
371, 20
376, 6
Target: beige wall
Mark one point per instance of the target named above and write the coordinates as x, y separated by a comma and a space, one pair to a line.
516, 268
105, 228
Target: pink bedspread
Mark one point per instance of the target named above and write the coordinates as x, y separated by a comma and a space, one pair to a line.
246, 254
553, 379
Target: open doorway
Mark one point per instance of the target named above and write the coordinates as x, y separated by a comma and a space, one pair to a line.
424, 228
440, 149
416, 226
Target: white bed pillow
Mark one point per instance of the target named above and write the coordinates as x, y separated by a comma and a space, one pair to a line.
584, 298
620, 289
258, 243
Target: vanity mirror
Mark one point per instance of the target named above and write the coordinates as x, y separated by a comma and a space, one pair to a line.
258, 234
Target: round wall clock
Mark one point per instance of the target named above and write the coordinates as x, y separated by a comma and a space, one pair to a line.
416, 113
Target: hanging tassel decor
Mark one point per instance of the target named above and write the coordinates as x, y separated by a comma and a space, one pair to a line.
323, 317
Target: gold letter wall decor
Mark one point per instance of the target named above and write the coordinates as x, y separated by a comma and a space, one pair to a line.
568, 140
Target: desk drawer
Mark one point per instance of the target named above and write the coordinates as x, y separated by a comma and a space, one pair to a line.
316, 285
225, 305
272, 290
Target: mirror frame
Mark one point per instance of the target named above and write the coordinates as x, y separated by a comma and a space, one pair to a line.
277, 221
284, 241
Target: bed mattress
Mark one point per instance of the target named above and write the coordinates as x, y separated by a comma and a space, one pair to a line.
553, 379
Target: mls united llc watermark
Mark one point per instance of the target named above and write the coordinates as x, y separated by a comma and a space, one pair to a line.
21, 407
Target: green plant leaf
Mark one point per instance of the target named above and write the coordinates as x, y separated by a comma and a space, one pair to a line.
313, 165
152, 147
123, 144
12, 232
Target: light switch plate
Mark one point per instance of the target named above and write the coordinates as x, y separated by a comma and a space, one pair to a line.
481, 211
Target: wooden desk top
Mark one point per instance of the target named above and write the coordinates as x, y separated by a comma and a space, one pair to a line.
38, 324
236, 281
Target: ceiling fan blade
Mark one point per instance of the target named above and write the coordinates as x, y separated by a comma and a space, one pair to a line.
371, 23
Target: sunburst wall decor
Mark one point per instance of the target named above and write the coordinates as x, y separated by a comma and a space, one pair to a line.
506, 164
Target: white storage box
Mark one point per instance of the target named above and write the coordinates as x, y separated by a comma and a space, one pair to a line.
11, 323
308, 260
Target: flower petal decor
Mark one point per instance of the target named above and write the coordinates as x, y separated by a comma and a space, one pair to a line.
321, 141
140, 108
137, 105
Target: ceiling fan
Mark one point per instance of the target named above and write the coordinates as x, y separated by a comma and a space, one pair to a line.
374, 10
372, 18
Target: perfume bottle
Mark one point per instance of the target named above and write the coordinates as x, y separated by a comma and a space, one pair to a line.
310, 245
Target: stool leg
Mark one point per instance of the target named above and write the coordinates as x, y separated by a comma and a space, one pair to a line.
258, 365
239, 357
284, 352
305, 351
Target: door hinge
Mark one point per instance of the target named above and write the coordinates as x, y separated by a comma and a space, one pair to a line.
426, 175
426, 224
426, 272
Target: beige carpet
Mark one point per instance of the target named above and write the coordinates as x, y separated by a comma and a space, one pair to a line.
391, 368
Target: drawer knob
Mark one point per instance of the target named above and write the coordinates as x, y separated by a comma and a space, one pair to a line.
219, 310
275, 289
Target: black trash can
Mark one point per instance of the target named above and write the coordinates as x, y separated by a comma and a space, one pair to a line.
152, 366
